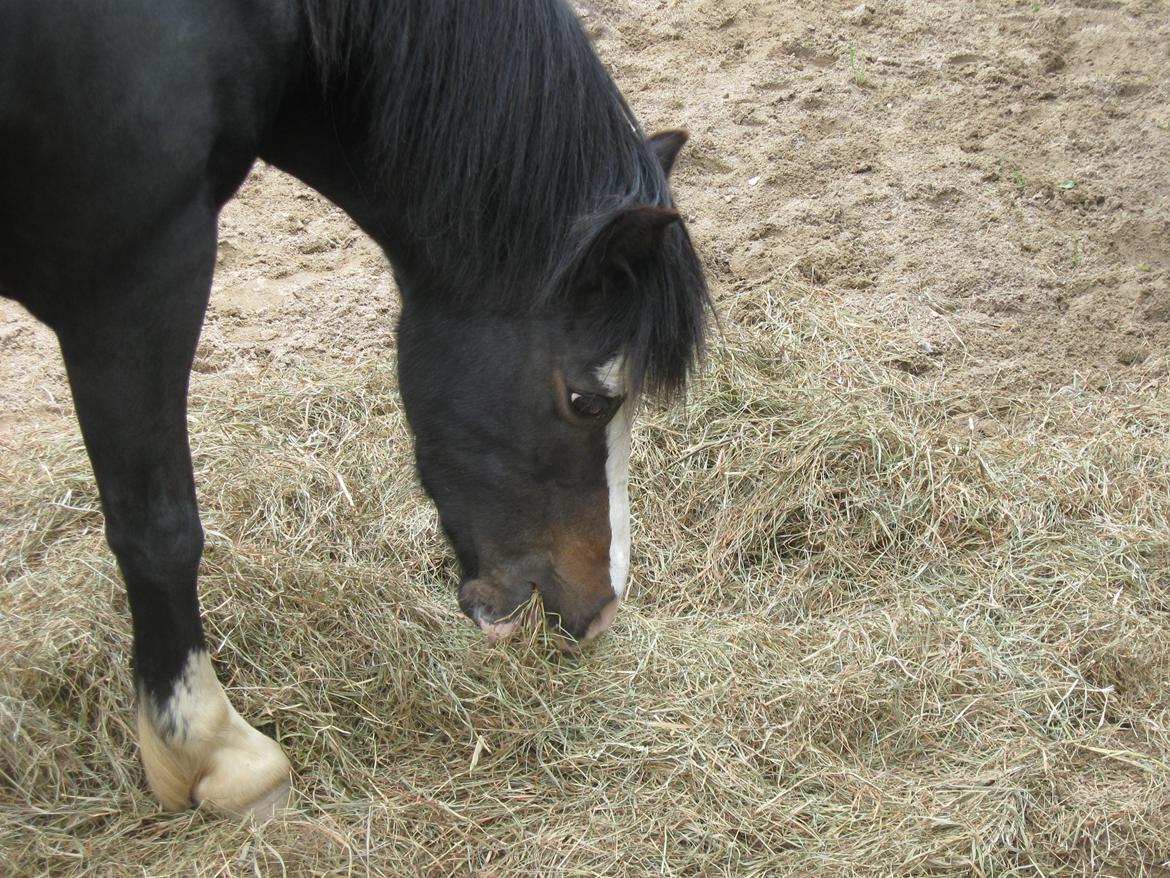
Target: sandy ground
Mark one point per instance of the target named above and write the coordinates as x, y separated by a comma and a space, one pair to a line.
996, 171
994, 177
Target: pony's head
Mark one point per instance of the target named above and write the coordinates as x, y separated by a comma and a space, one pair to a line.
522, 417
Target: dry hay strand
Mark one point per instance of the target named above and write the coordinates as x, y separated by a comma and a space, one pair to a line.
878, 626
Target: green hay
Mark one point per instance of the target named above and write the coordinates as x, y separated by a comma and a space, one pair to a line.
877, 626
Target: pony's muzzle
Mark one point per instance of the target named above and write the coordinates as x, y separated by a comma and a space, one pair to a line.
602, 621
502, 607
497, 605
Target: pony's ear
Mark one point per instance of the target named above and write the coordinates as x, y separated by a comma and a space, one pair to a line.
667, 145
628, 239
635, 232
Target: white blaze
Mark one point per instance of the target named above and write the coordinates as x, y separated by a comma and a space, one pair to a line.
617, 476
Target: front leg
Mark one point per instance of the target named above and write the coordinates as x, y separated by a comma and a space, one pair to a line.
197, 749
128, 348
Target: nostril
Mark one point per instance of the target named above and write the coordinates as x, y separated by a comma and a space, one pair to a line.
498, 606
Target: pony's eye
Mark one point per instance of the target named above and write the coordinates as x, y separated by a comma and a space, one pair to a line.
590, 405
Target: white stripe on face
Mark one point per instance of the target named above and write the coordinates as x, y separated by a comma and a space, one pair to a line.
617, 476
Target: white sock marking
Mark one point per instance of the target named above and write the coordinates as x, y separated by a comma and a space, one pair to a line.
196, 747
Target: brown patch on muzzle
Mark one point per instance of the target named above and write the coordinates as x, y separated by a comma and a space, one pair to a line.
571, 577
575, 611
582, 592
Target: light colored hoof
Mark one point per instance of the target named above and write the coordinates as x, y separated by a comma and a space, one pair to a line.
197, 750
255, 779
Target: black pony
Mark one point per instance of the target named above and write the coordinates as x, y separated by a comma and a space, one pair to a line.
546, 280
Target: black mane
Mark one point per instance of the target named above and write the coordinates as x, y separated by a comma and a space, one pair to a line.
510, 150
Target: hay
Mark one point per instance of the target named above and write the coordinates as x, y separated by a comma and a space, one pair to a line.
876, 627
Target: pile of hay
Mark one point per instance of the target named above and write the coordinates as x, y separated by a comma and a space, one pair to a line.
875, 627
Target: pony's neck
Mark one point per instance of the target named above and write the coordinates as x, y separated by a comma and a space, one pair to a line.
481, 144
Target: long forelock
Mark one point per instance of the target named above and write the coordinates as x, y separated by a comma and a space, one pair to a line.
509, 147
660, 325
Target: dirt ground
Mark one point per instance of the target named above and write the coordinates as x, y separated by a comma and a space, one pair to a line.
997, 171
989, 177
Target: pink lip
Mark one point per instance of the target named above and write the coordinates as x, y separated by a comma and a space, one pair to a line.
498, 631
604, 619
